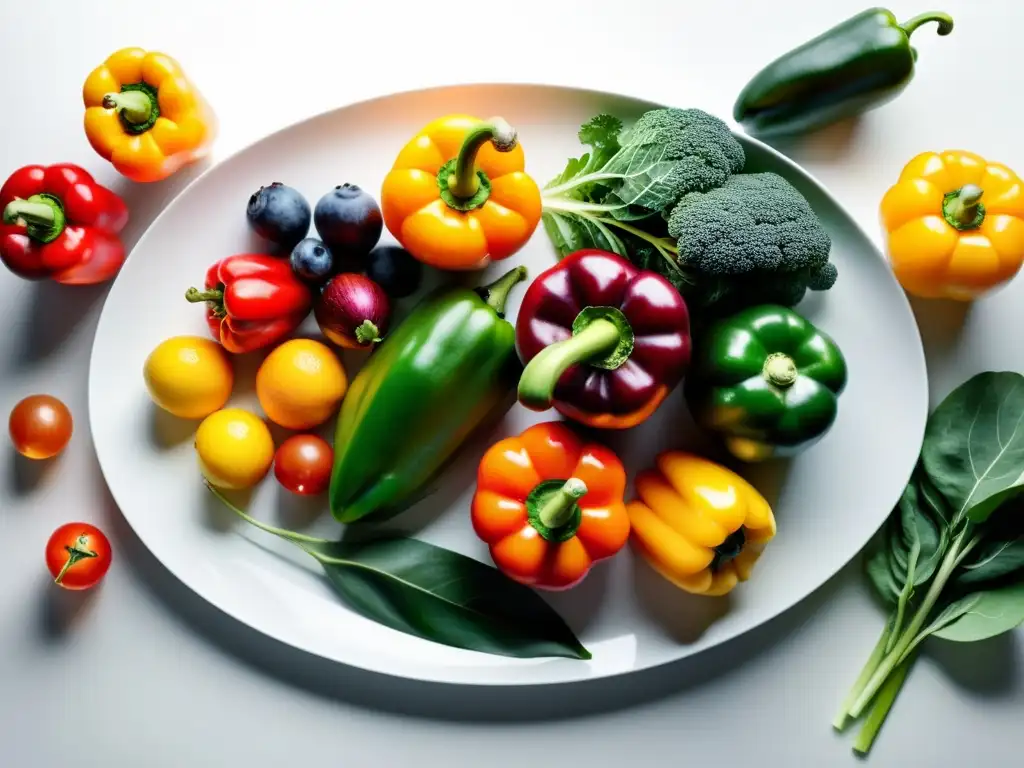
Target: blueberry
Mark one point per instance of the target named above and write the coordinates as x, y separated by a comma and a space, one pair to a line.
394, 270
349, 221
279, 214
312, 261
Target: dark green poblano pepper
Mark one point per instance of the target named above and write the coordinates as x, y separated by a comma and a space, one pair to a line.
857, 65
449, 368
767, 381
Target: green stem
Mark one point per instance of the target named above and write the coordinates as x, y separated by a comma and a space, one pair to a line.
839, 723
464, 182
75, 553
284, 534
367, 333
541, 375
135, 107
944, 20
963, 209
880, 709
213, 296
908, 637
779, 369
495, 295
560, 506
908, 588
43, 215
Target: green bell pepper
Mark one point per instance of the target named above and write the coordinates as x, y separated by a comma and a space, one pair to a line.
767, 381
857, 65
449, 368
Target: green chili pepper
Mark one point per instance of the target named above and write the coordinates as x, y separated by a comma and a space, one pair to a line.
767, 381
449, 368
857, 65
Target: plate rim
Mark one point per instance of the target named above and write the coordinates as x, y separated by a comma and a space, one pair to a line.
482, 679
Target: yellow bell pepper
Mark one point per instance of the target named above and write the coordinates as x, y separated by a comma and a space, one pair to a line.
144, 116
699, 524
954, 225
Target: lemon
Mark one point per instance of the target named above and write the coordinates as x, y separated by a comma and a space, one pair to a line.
189, 376
300, 384
235, 448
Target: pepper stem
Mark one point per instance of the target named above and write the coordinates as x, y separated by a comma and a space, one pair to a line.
75, 553
213, 296
729, 549
559, 508
944, 20
963, 208
464, 182
367, 333
779, 369
136, 107
541, 375
43, 215
496, 294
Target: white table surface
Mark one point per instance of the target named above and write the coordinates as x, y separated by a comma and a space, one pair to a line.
141, 673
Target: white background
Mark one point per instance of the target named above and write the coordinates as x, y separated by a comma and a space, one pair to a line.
141, 672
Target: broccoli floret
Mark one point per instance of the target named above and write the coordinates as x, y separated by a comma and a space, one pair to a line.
696, 149
757, 234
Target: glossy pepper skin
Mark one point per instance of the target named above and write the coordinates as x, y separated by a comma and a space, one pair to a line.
549, 506
58, 223
954, 225
144, 115
253, 301
767, 381
858, 65
603, 341
457, 196
448, 369
699, 524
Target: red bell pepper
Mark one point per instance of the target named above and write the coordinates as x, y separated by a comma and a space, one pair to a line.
253, 301
603, 341
58, 223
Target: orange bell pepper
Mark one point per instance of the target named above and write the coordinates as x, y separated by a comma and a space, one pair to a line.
457, 197
144, 116
549, 506
954, 225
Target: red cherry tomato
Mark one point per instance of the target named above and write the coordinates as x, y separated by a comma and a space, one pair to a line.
40, 426
303, 464
78, 555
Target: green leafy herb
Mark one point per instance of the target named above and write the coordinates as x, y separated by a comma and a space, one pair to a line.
439, 595
949, 562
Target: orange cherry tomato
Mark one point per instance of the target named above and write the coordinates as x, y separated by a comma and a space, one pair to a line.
78, 555
303, 464
40, 426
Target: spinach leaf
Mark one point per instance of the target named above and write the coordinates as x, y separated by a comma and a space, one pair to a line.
878, 564
1000, 551
973, 448
569, 233
986, 615
440, 595
434, 593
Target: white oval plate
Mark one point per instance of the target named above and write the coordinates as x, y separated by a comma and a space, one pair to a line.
828, 502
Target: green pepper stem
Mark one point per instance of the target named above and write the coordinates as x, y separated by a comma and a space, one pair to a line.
367, 333
944, 20
963, 208
195, 295
464, 182
779, 369
560, 507
33, 214
541, 375
496, 294
136, 107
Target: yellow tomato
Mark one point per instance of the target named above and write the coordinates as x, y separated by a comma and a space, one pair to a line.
235, 448
189, 376
300, 384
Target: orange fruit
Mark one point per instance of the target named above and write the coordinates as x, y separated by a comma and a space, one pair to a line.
300, 384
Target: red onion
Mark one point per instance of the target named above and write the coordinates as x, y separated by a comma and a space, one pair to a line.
353, 311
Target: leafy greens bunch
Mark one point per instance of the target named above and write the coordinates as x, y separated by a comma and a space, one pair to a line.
949, 562
669, 194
